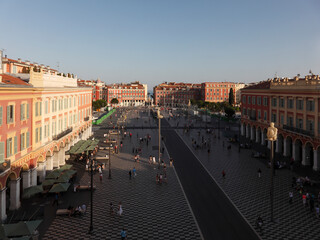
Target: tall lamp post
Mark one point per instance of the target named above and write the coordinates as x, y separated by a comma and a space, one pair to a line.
91, 196
239, 135
159, 117
272, 136
110, 146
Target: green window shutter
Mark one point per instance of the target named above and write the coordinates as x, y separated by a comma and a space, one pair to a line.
8, 148
0, 115
40, 133
27, 110
1, 152
40, 108
8, 114
15, 144
21, 142
21, 112
27, 139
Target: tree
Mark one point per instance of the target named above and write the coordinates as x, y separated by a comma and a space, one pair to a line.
98, 104
229, 111
114, 101
231, 97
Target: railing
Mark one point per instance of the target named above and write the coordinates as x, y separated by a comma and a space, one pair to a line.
64, 133
4, 166
253, 118
298, 130
86, 119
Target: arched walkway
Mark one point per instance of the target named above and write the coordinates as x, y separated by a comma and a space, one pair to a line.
308, 155
264, 140
253, 133
297, 151
279, 144
258, 135
287, 149
316, 156
55, 157
13, 192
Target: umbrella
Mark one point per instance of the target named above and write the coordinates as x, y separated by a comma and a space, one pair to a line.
20, 228
59, 187
66, 166
30, 191
48, 182
62, 179
70, 173
55, 174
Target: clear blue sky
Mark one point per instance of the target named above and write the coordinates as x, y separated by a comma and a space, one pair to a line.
165, 40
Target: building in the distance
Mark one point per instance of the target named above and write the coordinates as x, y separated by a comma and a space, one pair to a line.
127, 94
42, 114
98, 88
294, 106
176, 94
219, 91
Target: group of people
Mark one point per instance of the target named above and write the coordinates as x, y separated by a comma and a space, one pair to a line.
77, 211
118, 211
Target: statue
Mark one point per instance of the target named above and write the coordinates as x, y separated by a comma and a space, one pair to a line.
272, 132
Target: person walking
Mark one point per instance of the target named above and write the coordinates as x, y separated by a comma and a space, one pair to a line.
120, 211
304, 199
259, 172
317, 211
111, 208
130, 174
223, 174
56, 199
134, 172
101, 177
123, 234
290, 197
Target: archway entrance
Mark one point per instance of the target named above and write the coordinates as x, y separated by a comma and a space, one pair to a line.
298, 151
288, 149
280, 144
309, 158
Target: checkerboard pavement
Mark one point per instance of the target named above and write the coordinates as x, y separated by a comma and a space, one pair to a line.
250, 194
150, 211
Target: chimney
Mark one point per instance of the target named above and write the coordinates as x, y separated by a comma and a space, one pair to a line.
19, 60
27, 62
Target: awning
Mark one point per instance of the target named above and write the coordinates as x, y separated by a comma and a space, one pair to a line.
31, 191
20, 229
59, 187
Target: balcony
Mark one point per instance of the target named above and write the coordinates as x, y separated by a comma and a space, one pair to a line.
298, 130
5, 165
253, 118
86, 119
64, 133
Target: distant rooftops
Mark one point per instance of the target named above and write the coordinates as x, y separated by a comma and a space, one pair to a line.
8, 79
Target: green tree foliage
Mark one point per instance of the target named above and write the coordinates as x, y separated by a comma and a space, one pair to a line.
98, 104
114, 101
231, 97
229, 111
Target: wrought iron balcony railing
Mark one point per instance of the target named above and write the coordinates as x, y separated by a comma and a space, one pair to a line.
298, 130
62, 134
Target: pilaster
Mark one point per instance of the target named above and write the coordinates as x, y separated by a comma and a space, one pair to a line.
15, 194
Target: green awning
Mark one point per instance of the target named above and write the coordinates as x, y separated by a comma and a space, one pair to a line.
20, 229
54, 174
66, 167
31, 191
48, 182
59, 187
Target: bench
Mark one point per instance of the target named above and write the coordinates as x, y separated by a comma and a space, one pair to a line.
85, 187
63, 212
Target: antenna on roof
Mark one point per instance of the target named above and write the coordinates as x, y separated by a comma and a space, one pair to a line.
310, 72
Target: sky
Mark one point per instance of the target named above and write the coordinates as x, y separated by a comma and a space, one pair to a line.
153, 41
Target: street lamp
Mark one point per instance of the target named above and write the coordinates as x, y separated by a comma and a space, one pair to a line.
159, 117
239, 134
272, 136
91, 197
110, 146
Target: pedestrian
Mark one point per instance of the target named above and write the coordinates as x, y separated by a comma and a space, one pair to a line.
123, 234
134, 172
130, 174
290, 197
304, 199
154, 161
56, 199
101, 177
157, 178
160, 178
317, 210
259, 172
120, 211
223, 174
111, 208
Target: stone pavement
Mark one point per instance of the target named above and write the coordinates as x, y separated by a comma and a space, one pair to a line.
150, 211
251, 194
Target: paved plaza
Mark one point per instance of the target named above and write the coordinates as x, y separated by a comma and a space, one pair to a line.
150, 210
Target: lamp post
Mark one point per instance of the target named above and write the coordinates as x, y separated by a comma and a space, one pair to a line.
239, 135
159, 117
91, 195
219, 127
272, 136
110, 146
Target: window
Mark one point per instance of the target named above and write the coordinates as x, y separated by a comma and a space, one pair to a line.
310, 105
274, 102
265, 101
282, 119
259, 114
290, 103
46, 107
299, 104
281, 103
290, 121
10, 114
259, 100
265, 115
23, 112
22, 141
1, 118
243, 99
299, 123
253, 100
37, 135
274, 117
249, 99
310, 125
1, 152
12, 146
